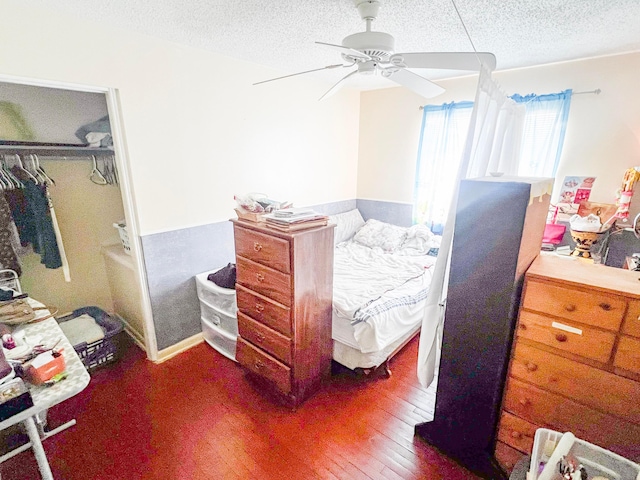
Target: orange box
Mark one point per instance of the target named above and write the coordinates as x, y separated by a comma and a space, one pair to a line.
45, 366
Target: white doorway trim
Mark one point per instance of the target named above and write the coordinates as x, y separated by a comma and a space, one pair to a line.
126, 189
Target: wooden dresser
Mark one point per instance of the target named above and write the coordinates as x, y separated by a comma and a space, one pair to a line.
575, 364
284, 291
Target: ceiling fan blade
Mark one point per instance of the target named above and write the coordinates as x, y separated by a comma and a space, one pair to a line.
328, 67
347, 51
445, 60
337, 86
415, 83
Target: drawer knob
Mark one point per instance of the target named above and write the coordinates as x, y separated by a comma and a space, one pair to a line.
259, 308
516, 435
260, 277
216, 320
561, 337
260, 336
605, 306
257, 246
523, 326
259, 365
532, 367
525, 402
570, 308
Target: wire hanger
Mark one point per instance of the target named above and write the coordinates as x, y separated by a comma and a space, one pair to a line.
21, 166
39, 169
96, 176
15, 180
34, 169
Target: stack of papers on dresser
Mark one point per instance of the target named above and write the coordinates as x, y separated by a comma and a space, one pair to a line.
292, 219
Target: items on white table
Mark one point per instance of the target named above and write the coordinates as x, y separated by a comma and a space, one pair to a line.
44, 367
14, 398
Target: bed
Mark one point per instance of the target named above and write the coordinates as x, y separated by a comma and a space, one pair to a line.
382, 274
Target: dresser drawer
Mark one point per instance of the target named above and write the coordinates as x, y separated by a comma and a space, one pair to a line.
273, 342
632, 319
264, 249
590, 386
264, 310
507, 456
554, 411
264, 365
517, 432
592, 308
267, 281
628, 354
580, 340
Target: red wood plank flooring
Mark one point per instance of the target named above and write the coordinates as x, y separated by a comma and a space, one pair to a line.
196, 417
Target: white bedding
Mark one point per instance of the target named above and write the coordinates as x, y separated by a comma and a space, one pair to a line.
381, 295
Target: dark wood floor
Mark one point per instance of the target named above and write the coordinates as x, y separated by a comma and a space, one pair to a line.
196, 417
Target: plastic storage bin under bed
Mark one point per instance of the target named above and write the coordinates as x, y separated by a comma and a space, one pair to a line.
103, 351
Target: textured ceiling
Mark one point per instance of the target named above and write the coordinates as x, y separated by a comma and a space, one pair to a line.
281, 33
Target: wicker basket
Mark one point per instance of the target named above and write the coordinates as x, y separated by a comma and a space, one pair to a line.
103, 351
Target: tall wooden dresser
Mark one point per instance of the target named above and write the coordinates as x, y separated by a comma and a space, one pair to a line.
284, 291
575, 364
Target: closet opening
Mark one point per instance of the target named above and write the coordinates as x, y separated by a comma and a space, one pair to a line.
66, 142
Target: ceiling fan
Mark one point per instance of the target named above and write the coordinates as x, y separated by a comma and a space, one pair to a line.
373, 52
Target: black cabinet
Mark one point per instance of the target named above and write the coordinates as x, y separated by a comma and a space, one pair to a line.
498, 233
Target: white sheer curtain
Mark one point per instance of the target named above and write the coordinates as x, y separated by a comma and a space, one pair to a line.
492, 145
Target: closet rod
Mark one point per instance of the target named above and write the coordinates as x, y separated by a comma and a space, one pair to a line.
51, 151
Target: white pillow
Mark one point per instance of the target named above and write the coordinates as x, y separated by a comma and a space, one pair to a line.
420, 241
347, 224
379, 234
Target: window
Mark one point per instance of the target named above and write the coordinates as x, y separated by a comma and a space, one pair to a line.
444, 130
545, 122
442, 139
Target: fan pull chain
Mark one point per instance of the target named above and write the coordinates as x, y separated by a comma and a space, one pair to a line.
463, 25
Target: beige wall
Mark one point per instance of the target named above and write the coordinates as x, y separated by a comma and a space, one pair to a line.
86, 213
602, 139
197, 131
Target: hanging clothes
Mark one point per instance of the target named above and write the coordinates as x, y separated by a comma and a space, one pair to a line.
8, 256
32, 215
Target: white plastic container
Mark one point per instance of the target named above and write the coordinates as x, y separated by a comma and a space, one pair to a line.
596, 460
218, 318
224, 299
124, 236
222, 341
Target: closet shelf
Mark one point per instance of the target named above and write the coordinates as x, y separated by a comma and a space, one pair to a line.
52, 149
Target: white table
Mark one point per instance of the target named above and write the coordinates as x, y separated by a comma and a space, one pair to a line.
34, 419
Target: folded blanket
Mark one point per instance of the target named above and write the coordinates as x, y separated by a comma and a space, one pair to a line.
82, 329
